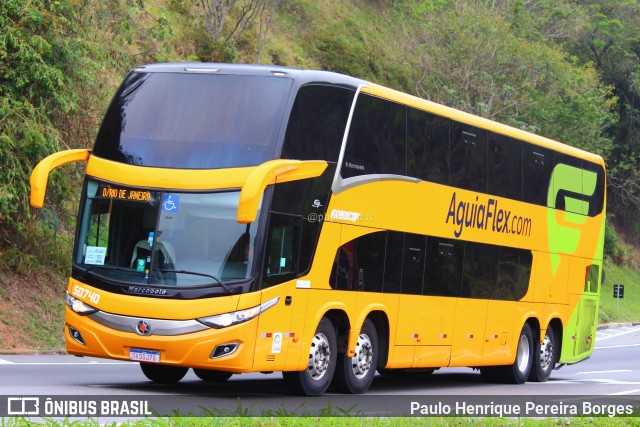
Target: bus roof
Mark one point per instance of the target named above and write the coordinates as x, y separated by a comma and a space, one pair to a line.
302, 77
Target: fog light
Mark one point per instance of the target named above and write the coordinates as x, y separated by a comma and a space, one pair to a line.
76, 335
224, 350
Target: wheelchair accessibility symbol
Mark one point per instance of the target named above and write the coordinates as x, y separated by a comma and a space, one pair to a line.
170, 203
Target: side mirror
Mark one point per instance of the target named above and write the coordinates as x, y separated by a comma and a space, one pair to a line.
273, 172
40, 174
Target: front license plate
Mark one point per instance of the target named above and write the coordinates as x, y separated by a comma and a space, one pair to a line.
144, 355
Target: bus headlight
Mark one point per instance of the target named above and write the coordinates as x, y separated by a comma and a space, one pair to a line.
79, 307
227, 319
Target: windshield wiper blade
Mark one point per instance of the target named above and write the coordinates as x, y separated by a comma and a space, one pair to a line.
195, 273
108, 267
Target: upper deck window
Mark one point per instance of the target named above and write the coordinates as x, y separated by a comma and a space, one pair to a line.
193, 121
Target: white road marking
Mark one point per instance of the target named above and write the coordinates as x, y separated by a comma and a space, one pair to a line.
605, 372
622, 393
619, 334
616, 346
5, 362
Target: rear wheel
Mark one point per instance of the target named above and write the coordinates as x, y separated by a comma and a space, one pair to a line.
545, 361
355, 374
322, 363
212, 376
162, 373
519, 371
521, 368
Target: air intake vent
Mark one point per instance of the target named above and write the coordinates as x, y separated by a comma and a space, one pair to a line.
271, 358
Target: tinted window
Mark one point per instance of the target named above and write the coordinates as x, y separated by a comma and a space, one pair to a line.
444, 267
596, 201
480, 271
370, 251
413, 263
193, 121
317, 123
377, 142
281, 258
505, 166
360, 264
514, 272
468, 157
393, 262
537, 163
427, 146
307, 200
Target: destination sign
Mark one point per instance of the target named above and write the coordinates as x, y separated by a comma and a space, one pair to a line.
109, 192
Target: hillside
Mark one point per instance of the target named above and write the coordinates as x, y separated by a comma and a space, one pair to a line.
563, 69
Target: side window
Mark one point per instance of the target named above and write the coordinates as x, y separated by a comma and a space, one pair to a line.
360, 264
514, 272
592, 278
413, 263
377, 139
307, 200
393, 262
479, 272
505, 166
596, 201
317, 123
427, 146
370, 252
444, 267
281, 258
536, 174
468, 157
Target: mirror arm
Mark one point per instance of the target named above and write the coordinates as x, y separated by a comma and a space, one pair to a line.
40, 174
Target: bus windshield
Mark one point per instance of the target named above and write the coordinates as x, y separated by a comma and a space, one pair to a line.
161, 238
193, 121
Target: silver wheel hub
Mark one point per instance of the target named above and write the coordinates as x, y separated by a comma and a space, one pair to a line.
522, 358
546, 353
361, 362
319, 356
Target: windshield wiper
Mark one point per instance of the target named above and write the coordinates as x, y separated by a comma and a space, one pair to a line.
195, 273
108, 267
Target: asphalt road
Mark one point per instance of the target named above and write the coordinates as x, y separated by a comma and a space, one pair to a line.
613, 370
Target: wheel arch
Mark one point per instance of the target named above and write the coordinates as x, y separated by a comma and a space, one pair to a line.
558, 330
381, 322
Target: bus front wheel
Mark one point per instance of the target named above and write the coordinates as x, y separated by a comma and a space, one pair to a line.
162, 373
545, 360
355, 374
321, 366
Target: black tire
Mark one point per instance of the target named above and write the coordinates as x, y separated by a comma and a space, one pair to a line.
490, 374
355, 374
545, 360
162, 373
518, 373
322, 363
212, 376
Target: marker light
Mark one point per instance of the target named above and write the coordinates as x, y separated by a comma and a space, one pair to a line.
227, 319
79, 307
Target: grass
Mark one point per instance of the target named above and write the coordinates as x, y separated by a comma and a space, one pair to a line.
628, 309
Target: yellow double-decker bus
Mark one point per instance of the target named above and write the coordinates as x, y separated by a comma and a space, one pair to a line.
242, 219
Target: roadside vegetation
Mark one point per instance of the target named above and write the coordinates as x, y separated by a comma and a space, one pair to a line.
565, 69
